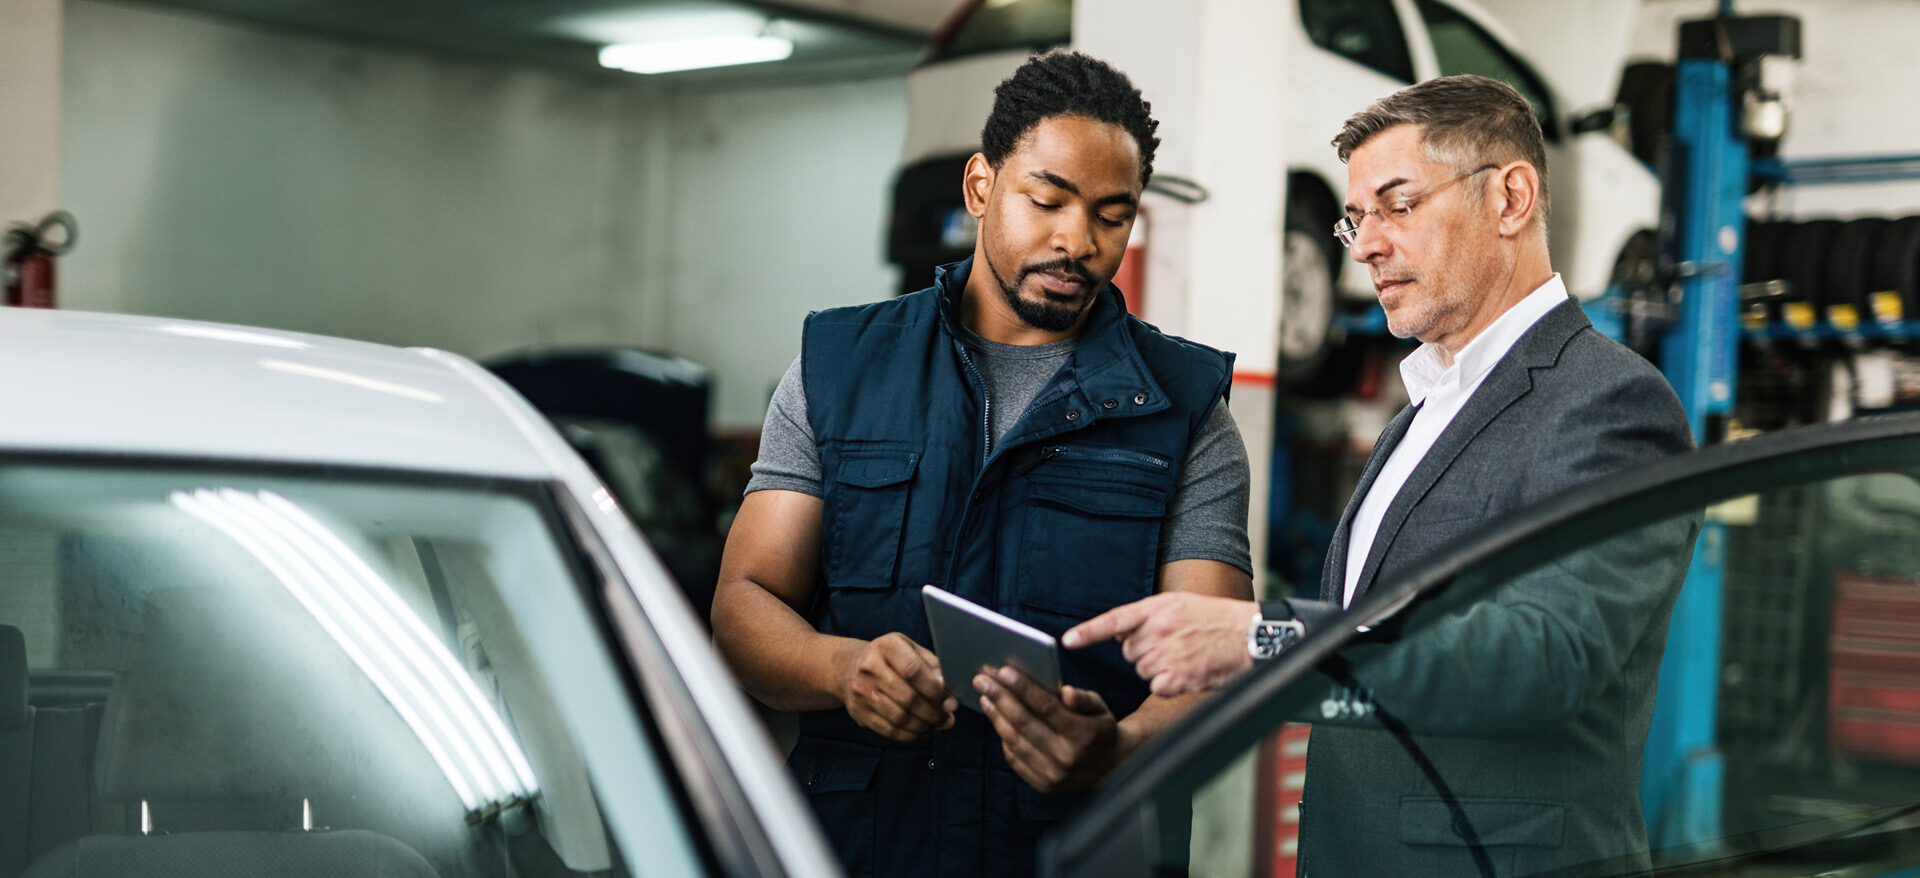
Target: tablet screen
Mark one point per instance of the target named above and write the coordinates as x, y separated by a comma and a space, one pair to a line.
968, 637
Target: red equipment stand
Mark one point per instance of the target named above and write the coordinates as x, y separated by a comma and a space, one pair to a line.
1282, 771
1873, 691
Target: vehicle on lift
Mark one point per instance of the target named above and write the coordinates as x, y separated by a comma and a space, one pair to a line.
279, 604
640, 420
1344, 55
1818, 713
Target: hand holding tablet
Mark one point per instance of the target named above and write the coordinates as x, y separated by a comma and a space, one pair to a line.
968, 637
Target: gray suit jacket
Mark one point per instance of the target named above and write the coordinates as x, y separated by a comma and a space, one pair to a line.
1533, 703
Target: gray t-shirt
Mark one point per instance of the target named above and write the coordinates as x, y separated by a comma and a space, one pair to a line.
1206, 519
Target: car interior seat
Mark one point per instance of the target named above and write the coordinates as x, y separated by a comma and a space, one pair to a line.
46, 761
16, 752
232, 732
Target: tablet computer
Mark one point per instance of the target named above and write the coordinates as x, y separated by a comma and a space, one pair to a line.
968, 637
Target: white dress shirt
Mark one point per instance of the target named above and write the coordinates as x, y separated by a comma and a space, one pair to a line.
1440, 391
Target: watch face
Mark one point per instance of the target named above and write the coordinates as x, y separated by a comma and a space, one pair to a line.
1270, 637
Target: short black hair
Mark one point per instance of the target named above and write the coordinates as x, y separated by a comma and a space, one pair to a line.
1062, 82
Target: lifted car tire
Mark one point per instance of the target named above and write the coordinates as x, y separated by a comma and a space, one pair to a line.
1307, 296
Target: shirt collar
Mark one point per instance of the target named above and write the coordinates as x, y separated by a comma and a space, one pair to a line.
1106, 363
1425, 371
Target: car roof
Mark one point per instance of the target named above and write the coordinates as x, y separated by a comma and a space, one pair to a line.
156, 387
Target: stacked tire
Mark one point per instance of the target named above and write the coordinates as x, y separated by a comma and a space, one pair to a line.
1843, 273
1897, 263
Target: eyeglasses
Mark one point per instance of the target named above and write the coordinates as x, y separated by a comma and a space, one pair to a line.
1394, 213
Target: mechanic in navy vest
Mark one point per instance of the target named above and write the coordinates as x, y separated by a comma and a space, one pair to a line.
1012, 435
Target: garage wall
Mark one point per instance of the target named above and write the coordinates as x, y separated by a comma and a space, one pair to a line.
227, 173
1852, 90
30, 106
779, 203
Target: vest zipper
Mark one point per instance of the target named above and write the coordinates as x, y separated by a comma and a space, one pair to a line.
986, 455
1046, 454
986, 408
1113, 454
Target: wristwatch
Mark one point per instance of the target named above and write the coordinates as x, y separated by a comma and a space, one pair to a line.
1266, 637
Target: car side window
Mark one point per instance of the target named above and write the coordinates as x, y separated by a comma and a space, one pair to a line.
1460, 46
1364, 31
1807, 540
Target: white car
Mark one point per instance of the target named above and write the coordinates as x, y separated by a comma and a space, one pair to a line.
277, 604
1605, 202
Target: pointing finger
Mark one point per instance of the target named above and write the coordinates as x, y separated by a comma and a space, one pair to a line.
1117, 622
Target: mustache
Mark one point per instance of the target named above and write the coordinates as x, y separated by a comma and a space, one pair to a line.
1064, 265
1390, 272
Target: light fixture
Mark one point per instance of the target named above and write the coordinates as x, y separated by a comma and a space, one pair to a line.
724, 50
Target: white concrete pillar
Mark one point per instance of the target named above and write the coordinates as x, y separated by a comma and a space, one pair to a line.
1215, 72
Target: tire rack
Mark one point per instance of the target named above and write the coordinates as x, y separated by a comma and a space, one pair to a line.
1823, 280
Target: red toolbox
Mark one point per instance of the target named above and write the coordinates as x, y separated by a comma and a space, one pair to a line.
1282, 772
1873, 677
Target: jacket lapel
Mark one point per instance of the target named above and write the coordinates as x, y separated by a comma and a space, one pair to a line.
1510, 379
1333, 575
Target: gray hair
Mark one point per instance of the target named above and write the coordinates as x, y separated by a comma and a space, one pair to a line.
1464, 121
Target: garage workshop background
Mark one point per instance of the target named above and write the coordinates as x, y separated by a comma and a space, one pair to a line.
229, 171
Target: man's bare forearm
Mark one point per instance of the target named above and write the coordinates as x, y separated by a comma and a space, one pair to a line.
778, 656
1153, 717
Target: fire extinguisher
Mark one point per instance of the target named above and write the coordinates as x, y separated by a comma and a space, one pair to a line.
26, 258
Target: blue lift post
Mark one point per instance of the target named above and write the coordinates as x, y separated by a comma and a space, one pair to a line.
1683, 773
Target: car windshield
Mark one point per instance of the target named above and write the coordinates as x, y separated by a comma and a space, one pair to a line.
385, 673
1499, 713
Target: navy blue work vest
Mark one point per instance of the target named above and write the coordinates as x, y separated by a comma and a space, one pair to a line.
1053, 523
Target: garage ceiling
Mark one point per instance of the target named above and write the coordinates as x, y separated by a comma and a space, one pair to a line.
831, 37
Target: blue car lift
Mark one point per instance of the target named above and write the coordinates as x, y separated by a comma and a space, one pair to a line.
1707, 171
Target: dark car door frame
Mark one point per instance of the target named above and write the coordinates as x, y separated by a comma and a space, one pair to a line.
1114, 835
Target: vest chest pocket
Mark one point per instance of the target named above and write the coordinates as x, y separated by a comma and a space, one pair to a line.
869, 510
1092, 531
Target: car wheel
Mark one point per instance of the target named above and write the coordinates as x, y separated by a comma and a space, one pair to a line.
1803, 262
1762, 257
1896, 265
1306, 296
1850, 266
1646, 90
1636, 271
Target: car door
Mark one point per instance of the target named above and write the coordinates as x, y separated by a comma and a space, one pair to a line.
1815, 536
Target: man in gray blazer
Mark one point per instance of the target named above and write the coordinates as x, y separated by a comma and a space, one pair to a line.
1532, 704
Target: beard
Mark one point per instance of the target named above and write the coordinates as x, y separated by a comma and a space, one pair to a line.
1057, 312
1441, 302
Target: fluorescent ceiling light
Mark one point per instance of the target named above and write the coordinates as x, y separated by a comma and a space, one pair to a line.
695, 54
